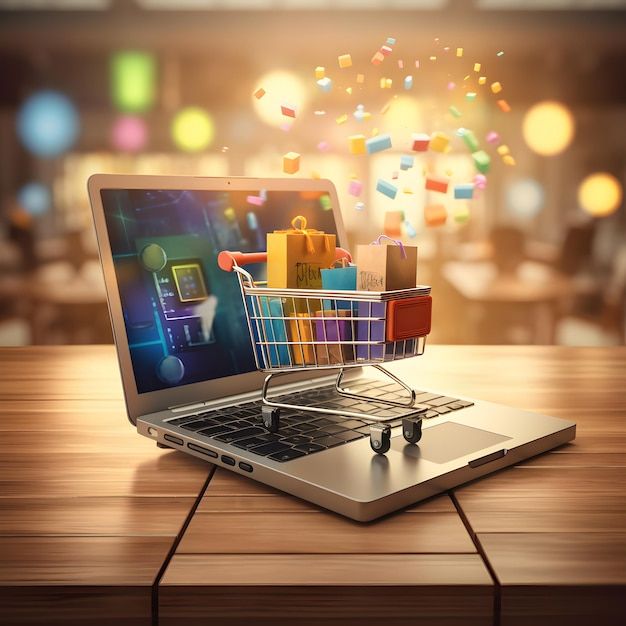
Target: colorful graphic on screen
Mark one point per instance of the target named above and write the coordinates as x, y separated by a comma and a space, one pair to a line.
184, 316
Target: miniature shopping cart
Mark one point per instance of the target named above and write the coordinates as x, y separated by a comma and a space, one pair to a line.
293, 330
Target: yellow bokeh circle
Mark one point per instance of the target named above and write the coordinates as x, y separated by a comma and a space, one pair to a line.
192, 129
600, 194
281, 88
548, 128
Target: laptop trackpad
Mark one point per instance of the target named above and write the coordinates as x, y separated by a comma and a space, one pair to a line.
448, 441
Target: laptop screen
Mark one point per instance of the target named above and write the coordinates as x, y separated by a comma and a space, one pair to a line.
184, 316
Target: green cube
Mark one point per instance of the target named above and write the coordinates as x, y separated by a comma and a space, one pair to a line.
470, 140
482, 161
454, 111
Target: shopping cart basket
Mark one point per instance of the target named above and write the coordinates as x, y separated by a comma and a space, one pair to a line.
293, 330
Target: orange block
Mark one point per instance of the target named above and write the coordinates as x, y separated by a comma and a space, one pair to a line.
505, 107
435, 215
291, 162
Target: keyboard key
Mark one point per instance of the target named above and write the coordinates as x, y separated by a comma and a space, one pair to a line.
215, 430
329, 442
465, 403
322, 422
309, 447
349, 435
251, 442
286, 431
438, 401
183, 420
296, 439
240, 434
351, 424
455, 406
365, 430
424, 398
270, 448
287, 455
305, 427
334, 428
430, 414
198, 424
442, 409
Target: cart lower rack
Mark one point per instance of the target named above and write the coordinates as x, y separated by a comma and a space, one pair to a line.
295, 330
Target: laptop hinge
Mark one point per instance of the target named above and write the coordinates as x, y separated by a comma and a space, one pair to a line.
248, 396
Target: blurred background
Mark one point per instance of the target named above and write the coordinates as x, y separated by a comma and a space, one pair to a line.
166, 87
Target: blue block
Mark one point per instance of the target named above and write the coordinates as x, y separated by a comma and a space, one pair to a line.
339, 279
386, 188
406, 162
408, 82
378, 143
391, 41
464, 192
273, 331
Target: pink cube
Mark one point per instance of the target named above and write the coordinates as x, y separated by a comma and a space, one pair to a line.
355, 188
493, 137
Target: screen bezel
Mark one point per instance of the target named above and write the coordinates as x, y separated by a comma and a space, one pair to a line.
139, 404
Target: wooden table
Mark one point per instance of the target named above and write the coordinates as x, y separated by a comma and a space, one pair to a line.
98, 526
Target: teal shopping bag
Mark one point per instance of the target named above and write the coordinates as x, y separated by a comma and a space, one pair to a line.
341, 278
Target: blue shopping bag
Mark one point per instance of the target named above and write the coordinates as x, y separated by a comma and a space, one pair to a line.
341, 278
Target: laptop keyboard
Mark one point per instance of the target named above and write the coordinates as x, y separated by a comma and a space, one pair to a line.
303, 433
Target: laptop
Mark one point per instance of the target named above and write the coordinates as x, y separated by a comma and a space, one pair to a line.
188, 367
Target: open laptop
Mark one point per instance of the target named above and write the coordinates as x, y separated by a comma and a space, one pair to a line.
189, 373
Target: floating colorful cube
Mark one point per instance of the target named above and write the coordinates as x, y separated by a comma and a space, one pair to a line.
436, 183
320, 72
440, 142
345, 60
464, 192
482, 162
356, 143
470, 140
406, 162
355, 188
291, 162
378, 143
420, 142
435, 215
325, 84
386, 188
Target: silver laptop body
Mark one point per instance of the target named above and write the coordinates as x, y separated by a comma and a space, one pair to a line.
189, 379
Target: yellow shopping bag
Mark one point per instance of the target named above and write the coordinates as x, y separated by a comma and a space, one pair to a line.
296, 256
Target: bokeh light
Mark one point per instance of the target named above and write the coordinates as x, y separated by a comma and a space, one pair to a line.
281, 87
525, 198
133, 81
548, 128
600, 194
192, 129
35, 198
47, 123
129, 133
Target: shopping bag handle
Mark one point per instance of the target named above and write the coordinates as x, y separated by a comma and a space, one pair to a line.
227, 259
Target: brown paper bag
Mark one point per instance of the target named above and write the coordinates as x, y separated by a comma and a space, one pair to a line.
385, 267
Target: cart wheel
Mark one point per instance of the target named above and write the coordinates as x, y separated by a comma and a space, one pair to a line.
412, 429
380, 438
271, 418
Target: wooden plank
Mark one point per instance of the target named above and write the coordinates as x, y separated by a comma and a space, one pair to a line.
95, 515
321, 532
45, 561
315, 589
315, 569
88, 509
559, 578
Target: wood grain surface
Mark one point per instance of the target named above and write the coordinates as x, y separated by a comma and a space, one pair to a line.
88, 510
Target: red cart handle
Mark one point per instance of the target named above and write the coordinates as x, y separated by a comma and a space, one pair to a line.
227, 260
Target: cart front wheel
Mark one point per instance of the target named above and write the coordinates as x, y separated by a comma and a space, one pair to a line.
412, 429
271, 418
380, 438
